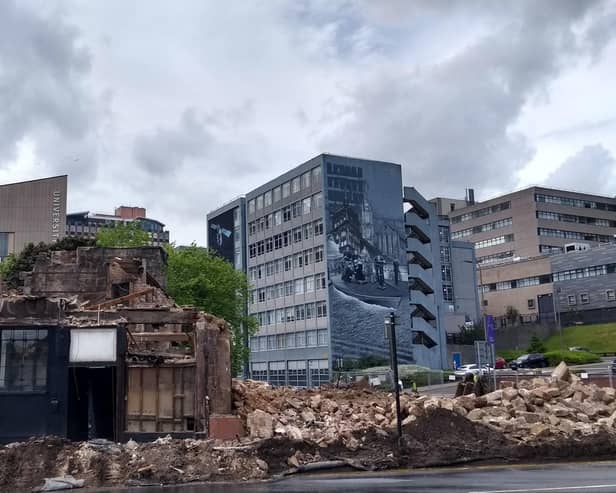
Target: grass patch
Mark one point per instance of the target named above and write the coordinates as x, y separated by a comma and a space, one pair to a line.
571, 357
600, 338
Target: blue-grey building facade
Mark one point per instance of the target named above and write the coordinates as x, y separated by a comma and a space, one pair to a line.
326, 258
584, 284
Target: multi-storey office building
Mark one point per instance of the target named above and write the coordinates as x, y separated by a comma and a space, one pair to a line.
87, 224
523, 225
326, 257
31, 212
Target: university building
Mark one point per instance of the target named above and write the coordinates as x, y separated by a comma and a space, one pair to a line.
514, 236
32, 212
87, 224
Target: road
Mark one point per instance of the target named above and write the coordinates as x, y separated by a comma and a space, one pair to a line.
597, 477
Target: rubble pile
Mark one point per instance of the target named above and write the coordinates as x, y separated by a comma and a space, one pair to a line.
544, 407
322, 416
291, 430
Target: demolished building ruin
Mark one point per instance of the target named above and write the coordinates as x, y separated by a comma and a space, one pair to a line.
93, 347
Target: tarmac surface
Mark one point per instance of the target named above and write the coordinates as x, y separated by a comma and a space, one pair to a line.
597, 477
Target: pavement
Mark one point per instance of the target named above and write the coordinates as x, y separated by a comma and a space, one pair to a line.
599, 477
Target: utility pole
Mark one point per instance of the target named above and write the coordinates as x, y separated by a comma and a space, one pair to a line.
390, 333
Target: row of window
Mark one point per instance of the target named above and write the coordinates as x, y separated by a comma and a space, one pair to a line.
289, 288
550, 249
279, 316
575, 235
499, 240
524, 282
276, 218
285, 239
584, 298
286, 264
481, 212
501, 223
495, 258
567, 275
301, 373
302, 182
596, 270
569, 218
289, 340
569, 202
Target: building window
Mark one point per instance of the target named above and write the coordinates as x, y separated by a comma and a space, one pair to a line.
311, 338
300, 339
251, 207
259, 202
261, 295
267, 199
258, 371
309, 284
321, 309
277, 373
276, 194
317, 201
300, 312
23, 360
297, 373
319, 372
318, 227
448, 293
288, 288
446, 273
571, 300
531, 304
277, 218
307, 231
309, 311
610, 294
299, 286
286, 214
306, 180
322, 337
494, 241
316, 175
288, 263
295, 185
320, 281
584, 299
306, 205
286, 190
318, 254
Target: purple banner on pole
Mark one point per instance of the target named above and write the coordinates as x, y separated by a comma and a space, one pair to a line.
490, 329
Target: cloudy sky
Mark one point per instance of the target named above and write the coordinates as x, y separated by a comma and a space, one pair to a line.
180, 106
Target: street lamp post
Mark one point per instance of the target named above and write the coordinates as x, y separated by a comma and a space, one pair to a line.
390, 333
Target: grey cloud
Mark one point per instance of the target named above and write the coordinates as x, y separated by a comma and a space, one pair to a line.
42, 90
450, 123
165, 150
592, 169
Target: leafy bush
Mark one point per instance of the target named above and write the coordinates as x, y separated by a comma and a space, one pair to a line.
571, 357
536, 345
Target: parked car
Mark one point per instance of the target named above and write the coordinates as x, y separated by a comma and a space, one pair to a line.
471, 368
579, 349
464, 369
614, 366
533, 360
500, 363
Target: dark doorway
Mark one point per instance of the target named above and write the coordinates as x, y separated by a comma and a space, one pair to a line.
91, 403
545, 304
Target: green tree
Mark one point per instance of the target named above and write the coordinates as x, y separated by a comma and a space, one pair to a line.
198, 277
123, 235
536, 345
13, 265
512, 315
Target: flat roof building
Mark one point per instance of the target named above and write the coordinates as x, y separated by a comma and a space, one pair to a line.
511, 230
32, 212
326, 256
86, 224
